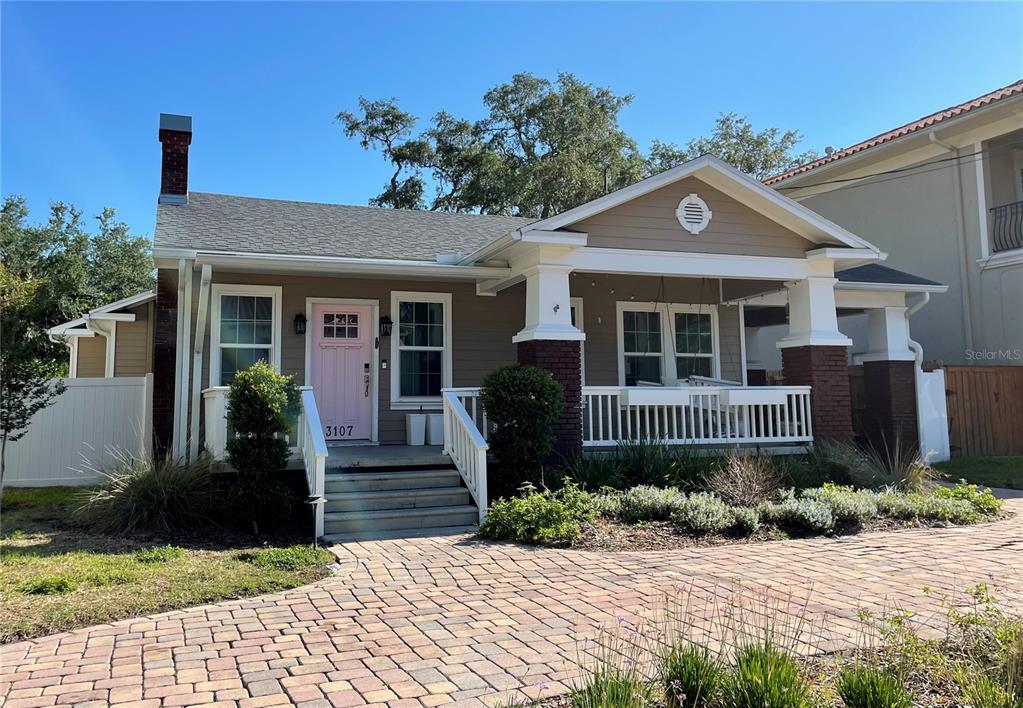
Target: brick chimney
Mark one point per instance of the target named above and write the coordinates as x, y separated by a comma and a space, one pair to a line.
175, 136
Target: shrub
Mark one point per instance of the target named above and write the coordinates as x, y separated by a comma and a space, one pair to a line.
159, 554
645, 503
48, 585
690, 675
608, 503
982, 500
143, 494
547, 517
806, 514
289, 558
522, 402
848, 506
745, 521
593, 472
867, 686
744, 479
262, 408
927, 507
764, 676
704, 512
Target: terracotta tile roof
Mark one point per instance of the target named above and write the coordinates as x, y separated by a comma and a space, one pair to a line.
1012, 89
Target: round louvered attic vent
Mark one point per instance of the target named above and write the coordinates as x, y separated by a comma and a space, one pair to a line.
693, 213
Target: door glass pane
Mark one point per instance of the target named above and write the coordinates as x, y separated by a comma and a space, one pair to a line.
420, 373
642, 368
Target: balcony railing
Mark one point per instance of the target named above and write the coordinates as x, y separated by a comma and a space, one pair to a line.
1007, 227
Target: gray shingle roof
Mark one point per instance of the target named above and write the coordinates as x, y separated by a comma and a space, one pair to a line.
876, 273
218, 222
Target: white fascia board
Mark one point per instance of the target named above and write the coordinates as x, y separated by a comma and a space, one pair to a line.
270, 263
556, 238
858, 255
126, 302
111, 316
65, 328
729, 180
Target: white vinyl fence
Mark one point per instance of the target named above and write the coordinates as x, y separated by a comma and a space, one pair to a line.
82, 431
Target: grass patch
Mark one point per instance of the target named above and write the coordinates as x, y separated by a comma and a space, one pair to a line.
56, 577
1005, 472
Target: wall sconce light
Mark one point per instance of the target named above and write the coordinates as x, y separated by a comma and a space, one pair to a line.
385, 326
300, 323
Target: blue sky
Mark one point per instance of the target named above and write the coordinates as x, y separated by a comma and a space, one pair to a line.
83, 83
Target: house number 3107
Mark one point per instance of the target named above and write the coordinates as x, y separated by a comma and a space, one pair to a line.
338, 431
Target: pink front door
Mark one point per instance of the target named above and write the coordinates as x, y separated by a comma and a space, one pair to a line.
342, 379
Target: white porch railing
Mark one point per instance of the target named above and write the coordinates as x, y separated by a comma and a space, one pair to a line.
470, 400
314, 452
696, 415
464, 442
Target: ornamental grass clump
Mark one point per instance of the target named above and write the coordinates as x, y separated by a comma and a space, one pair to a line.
646, 503
863, 685
765, 675
615, 676
690, 675
745, 479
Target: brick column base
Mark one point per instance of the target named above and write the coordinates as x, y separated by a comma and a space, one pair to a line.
564, 362
165, 330
890, 397
826, 370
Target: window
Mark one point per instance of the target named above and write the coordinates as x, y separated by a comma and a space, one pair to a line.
421, 348
339, 325
694, 344
665, 343
641, 340
244, 329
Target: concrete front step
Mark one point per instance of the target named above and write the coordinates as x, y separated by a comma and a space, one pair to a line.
398, 499
379, 481
349, 522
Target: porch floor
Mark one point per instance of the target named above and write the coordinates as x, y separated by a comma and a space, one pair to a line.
348, 456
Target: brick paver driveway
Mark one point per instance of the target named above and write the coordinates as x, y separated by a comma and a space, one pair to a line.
436, 620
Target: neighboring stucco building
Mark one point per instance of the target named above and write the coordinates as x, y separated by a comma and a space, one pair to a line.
943, 196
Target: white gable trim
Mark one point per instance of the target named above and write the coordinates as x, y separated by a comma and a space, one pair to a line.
729, 180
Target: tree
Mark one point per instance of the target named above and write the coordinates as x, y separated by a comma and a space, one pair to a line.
543, 147
75, 270
758, 154
27, 372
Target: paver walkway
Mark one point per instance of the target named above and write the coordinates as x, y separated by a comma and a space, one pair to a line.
438, 620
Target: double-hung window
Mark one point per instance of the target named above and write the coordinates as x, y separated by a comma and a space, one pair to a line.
244, 328
665, 343
642, 347
694, 344
421, 348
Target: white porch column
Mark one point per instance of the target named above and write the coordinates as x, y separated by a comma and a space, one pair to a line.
888, 332
813, 319
548, 305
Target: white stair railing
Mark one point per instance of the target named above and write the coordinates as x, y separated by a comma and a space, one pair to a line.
465, 444
314, 452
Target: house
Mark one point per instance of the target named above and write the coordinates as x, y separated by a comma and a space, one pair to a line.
943, 196
641, 303
112, 340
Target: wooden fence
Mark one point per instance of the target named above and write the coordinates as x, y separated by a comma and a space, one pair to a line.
83, 431
985, 409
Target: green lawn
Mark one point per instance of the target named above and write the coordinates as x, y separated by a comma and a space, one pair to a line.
991, 471
55, 576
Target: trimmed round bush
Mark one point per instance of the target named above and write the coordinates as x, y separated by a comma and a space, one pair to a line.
847, 505
522, 402
800, 513
703, 512
261, 410
646, 503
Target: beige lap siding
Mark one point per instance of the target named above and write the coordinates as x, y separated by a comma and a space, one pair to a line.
133, 346
92, 353
482, 328
648, 223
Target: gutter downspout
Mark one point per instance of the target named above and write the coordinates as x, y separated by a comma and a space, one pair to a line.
918, 351
200, 341
964, 270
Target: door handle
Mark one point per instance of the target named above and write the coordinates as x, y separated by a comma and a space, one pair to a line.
365, 380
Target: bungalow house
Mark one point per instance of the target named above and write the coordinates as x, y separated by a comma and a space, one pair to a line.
639, 303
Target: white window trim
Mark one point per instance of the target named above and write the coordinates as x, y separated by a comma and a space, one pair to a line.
220, 289
411, 403
374, 341
669, 365
580, 324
